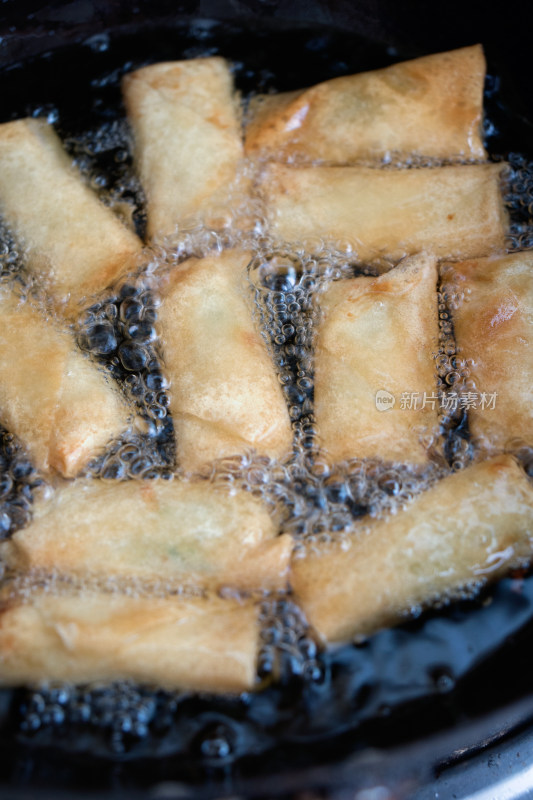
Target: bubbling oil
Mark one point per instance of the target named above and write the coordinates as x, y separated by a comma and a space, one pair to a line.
518, 199
314, 500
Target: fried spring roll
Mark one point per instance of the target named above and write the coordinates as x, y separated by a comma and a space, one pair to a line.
430, 106
472, 526
51, 396
177, 533
201, 644
225, 394
188, 143
377, 341
494, 329
454, 212
67, 235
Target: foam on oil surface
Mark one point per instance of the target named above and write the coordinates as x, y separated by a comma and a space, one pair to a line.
314, 500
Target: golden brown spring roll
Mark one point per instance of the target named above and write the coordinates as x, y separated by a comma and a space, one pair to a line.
188, 143
177, 533
431, 106
494, 329
67, 235
225, 394
51, 396
197, 643
472, 526
375, 380
453, 212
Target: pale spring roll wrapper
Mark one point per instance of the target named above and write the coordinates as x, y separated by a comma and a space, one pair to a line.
378, 338
471, 526
68, 237
225, 396
175, 534
494, 331
186, 125
453, 212
193, 643
52, 397
430, 107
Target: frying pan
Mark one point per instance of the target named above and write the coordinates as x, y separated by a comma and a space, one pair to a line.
442, 704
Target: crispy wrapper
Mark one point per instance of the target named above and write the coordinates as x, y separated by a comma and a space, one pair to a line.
188, 144
430, 107
225, 395
176, 533
470, 527
384, 214
494, 331
196, 643
51, 396
377, 340
68, 237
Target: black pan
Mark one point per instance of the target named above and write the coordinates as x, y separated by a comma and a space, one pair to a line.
429, 701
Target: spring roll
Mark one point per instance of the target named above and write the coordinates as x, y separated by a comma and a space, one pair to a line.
51, 396
68, 237
470, 527
454, 212
196, 643
431, 107
494, 331
188, 144
375, 351
175, 533
225, 394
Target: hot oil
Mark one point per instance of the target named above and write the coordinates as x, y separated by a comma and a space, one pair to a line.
327, 700
519, 201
